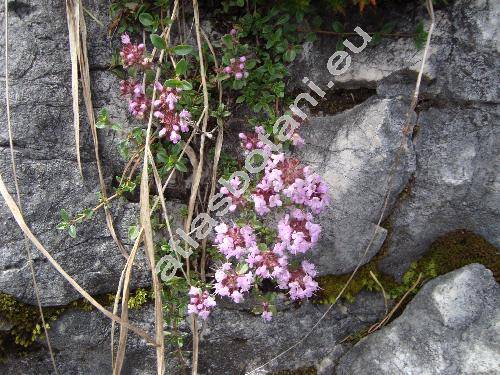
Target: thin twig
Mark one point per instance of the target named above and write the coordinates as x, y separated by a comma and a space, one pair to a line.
197, 178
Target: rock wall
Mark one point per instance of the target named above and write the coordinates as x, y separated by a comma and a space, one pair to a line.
449, 164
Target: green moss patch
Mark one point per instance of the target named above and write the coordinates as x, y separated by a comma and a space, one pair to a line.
449, 252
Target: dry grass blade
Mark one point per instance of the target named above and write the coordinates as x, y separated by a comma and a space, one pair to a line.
22, 224
197, 177
192, 157
389, 316
85, 78
218, 149
115, 311
382, 288
73, 19
122, 346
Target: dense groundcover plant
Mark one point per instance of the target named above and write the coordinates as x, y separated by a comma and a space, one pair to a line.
263, 247
288, 191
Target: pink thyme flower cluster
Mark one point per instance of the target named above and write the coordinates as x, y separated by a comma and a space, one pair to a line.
200, 303
295, 193
301, 282
132, 54
298, 233
234, 241
138, 103
286, 177
230, 283
237, 198
237, 68
171, 120
250, 141
173, 123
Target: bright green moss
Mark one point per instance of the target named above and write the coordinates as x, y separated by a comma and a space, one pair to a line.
24, 322
331, 285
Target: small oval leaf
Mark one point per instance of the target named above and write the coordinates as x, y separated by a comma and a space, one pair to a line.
183, 49
158, 41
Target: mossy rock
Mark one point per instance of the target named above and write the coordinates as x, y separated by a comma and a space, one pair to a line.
449, 252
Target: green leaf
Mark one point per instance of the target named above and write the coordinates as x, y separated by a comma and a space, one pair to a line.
283, 19
289, 55
72, 231
133, 232
338, 27
228, 41
158, 41
64, 215
62, 226
180, 166
183, 49
186, 86
339, 46
181, 67
172, 83
241, 268
116, 126
250, 64
88, 213
146, 19
240, 99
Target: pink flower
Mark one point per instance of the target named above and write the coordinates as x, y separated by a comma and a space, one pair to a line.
139, 104
237, 199
127, 87
234, 241
200, 303
231, 284
301, 281
132, 54
267, 315
236, 67
269, 264
250, 141
298, 232
310, 191
172, 122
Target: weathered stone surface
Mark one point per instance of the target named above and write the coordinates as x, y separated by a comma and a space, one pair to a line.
451, 327
81, 343
455, 186
462, 62
234, 340
42, 124
355, 151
